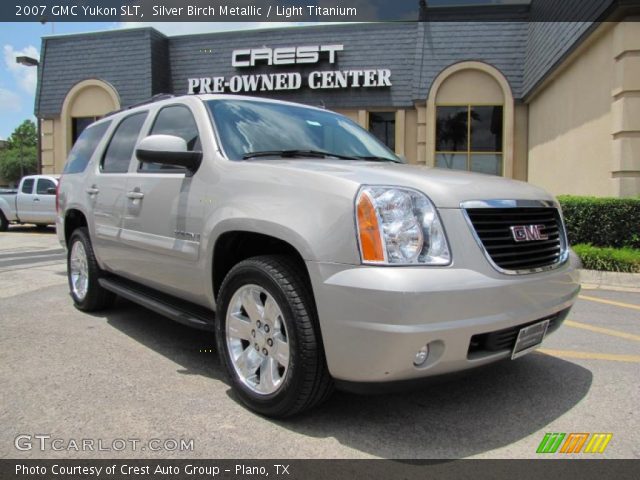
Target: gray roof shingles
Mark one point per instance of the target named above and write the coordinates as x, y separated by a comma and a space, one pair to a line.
142, 62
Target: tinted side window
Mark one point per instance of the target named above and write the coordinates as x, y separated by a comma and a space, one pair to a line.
120, 149
44, 184
176, 120
27, 186
84, 147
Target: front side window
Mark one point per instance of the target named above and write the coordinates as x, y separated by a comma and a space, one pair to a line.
469, 137
246, 127
120, 149
45, 187
176, 120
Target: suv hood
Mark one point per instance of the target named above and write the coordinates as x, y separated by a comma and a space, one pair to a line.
445, 188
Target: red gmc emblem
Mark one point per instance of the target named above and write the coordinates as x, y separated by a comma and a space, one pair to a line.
528, 233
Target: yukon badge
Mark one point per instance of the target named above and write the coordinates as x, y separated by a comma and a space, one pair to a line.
528, 233
182, 235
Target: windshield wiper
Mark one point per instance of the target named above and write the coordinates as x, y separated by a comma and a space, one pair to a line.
373, 158
295, 153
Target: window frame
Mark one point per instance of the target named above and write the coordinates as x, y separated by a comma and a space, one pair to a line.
154, 117
469, 152
113, 133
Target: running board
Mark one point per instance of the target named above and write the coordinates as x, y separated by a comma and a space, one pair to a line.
179, 310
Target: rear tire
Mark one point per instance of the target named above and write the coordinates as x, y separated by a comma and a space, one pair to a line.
83, 274
273, 352
4, 223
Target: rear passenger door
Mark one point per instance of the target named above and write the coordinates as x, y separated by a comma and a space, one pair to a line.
107, 191
162, 219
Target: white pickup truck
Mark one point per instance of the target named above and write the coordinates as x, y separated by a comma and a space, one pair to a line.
34, 202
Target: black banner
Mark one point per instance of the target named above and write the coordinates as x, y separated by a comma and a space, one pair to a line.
319, 469
311, 10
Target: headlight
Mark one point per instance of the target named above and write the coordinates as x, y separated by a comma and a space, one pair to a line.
399, 226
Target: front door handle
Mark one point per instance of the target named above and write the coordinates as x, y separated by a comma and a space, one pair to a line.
135, 195
36, 199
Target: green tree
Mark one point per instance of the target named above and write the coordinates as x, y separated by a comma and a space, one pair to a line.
20, 155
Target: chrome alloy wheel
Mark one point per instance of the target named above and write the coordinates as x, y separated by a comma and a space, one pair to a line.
79, 270
257, 339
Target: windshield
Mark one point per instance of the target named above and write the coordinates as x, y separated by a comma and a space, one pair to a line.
248, 127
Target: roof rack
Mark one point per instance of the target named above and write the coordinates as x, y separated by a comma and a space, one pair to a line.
155, 98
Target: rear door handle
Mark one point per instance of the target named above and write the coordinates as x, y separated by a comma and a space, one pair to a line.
92, 190
135, 195
36, 199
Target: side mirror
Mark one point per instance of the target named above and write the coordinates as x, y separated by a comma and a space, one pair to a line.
168, 150
51, 191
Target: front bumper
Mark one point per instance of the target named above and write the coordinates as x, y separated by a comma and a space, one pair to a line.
375, 319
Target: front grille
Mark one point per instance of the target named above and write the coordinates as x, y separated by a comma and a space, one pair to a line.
502, 340
493, 228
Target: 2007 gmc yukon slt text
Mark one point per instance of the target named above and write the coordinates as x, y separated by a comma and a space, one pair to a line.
326, 260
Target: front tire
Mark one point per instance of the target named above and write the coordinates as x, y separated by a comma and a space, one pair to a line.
4, 223
268, 337
83, 274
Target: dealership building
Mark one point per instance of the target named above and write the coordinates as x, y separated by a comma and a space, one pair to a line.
554, 103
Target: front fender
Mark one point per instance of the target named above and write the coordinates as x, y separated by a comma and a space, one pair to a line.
264, 227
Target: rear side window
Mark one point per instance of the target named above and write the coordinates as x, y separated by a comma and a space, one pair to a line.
27, 186
176, 120
120, 149
84, 147
45, 187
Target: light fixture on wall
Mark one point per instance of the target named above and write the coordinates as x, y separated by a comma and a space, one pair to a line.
27, 61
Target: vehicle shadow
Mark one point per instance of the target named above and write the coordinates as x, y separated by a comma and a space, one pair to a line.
451, 416
454, 416
48, 230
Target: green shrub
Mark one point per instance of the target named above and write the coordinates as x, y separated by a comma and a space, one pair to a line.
609, 259
603, 222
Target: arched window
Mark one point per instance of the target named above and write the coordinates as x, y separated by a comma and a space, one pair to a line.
470, 109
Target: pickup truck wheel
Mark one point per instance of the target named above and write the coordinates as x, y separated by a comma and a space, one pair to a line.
268, 337
4, 223
83, 273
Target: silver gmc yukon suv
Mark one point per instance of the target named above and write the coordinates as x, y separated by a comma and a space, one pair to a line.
317, 257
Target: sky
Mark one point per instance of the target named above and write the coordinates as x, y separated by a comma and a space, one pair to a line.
18, 83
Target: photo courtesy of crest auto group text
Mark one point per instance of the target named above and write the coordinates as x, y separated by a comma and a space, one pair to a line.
319, 239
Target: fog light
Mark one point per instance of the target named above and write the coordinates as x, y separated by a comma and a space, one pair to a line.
421, 356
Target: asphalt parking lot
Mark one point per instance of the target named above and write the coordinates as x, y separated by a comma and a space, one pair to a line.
131, 374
